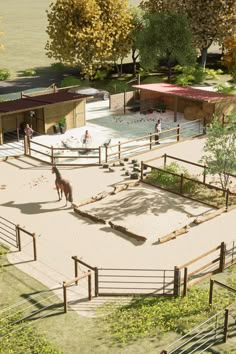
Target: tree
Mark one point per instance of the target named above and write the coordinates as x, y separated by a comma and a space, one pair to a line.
161, 6
220, 149
210, 20
165, 36
89, 33
229, 58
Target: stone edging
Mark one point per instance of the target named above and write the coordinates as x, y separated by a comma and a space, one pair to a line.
124, 230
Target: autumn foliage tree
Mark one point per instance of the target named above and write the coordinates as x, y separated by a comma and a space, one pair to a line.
89, 33
229, 58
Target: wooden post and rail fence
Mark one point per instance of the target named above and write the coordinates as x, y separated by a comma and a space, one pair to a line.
11, 234
113, 281
216, 329
225, 195
50, 154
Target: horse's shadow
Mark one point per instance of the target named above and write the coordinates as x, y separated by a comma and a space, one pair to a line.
34, 208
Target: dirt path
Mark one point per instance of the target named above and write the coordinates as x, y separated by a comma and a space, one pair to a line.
28, 198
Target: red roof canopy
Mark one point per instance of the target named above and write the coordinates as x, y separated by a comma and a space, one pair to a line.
186, 92
31, 102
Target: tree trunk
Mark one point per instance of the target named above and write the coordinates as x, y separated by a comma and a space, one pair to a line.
134, 59
203, 57
169, 72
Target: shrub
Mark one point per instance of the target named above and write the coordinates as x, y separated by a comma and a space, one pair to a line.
4, 74
172, 181
29, 72
59, 67
187, 75
101, 74
71, 81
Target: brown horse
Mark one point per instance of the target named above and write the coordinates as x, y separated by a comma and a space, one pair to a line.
62, 185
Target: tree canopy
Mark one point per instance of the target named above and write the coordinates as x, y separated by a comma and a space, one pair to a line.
229, 58
220, 149
165, 36
89, 33
210, 20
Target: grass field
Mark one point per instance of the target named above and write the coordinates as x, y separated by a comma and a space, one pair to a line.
23, 24
75, 334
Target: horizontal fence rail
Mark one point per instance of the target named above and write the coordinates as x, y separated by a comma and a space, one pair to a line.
11, 235
8, 232
63, 155
215, 330
147, 142
190, 187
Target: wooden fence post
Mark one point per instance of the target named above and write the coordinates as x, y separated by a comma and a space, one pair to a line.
181, 183
18, 237
141, 177
26, 147
204, 174
119, 150
96, 281
76, 268
185, 281
52, 155
211, 292
150, 139
34, 247
106, 151
222, 257
227, 199
178, 132
100, 155
165, 158
90, 286
124, 100
226, 325
176, 281
65, 296
204, 125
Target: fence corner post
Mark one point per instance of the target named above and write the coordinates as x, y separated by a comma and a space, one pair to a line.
64, 296
34, 246
96, 281
185, 281
226, 325
18, 237
211, 292
176, 281
89, 285
222, 256
76, 268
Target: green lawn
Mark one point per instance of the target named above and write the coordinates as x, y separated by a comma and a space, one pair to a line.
72, 333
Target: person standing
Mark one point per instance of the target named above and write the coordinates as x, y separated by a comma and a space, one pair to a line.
28, 135
28, 131
157, 131
86, 138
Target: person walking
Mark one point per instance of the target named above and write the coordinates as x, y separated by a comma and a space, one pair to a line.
157, 131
